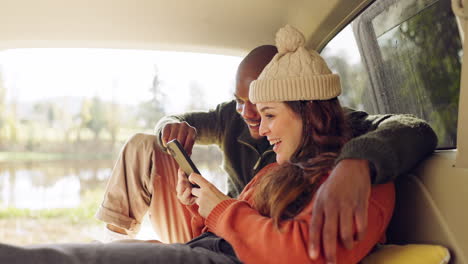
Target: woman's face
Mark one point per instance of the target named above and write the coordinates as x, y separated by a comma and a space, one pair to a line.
282, 127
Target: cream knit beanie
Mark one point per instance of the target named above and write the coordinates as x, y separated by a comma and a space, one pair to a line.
294, 73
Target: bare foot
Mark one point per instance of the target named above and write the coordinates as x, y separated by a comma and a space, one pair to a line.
117, 229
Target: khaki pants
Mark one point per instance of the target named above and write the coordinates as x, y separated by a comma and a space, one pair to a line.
144, 180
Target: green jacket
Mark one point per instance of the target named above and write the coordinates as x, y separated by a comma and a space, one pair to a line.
392, 143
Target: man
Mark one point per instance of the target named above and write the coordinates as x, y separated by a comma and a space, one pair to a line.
144, 177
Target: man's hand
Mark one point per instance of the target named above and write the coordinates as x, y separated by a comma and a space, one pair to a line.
207, 196
183, 132
340, 206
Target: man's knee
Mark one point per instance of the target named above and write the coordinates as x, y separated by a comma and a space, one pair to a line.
141, 142
145, 147
142, 138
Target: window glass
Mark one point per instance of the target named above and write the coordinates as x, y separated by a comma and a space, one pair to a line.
66, 113
342, 56
410, 58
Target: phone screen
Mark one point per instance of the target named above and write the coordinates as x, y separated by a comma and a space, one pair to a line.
181, 157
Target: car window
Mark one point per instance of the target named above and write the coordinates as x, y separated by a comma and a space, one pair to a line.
65, 115
401, 56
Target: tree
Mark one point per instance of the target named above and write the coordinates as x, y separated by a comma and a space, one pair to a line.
48, 111
354, 80
197, 100
113, 121
152, 110
84, 117
52, 114
97, 121
3, 117
435, 81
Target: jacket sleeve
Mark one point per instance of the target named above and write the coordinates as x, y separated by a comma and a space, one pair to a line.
394, 144
210, 125
256, 240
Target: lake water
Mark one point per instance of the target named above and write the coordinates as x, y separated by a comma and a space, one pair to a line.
63, 184
50, 184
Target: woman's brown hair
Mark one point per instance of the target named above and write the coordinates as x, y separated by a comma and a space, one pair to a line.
284, 192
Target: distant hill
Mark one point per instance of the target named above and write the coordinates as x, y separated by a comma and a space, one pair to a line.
70, 105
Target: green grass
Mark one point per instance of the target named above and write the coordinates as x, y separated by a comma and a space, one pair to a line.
79, 215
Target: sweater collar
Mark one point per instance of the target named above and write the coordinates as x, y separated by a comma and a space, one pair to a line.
261, 145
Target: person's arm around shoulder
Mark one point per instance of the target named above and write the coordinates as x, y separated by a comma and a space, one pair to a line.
340, 208
392, 143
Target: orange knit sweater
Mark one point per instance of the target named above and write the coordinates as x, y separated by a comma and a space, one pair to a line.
256, 240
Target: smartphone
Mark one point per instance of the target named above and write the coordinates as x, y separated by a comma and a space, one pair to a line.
182, 158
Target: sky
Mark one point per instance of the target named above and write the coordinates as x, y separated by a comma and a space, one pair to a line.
344, 44
124, 76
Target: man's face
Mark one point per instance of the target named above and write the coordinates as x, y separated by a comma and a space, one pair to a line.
244, 107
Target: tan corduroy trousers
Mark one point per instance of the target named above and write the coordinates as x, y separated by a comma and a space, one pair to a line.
144, 180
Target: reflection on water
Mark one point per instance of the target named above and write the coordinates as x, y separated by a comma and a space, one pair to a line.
60, 184
64, 184
63, 193
50, 184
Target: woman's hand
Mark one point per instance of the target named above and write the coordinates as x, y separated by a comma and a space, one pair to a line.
207, 196
184, 189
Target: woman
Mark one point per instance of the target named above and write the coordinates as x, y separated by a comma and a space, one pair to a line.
301, 116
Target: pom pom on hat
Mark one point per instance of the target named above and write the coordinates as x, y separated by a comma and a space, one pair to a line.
294, 73
289, 39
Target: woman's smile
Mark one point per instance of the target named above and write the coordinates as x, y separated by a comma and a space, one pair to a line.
282, 127
276, 143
